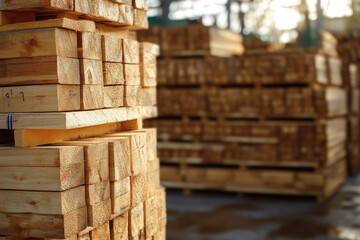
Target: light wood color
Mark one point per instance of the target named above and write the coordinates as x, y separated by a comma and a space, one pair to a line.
99, 213
96, 156
151, 143
138, 150
28, 24
113, 73
148, 96
56, 203
120, 196
136, 220
32, 138
81, 119
89, 45
91, 72
112, 49
120, 227
148, 70
92, 97
132, 96
40, 98
126, 14
113, 96
101, 233
140, 4
151, 216
21, 5
97, 192
38, 42
119, 156
132, 74
140, 19
41, 169
131, 51
39, 70
138, 189
26, 226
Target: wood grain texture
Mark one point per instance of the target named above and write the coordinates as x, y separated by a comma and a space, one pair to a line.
99, 214
17, 22
23, 5
138, 150
113, 73
96, 156
89, 45
40, 98
132, 96
136, 223
101, 233
21, 174
56, 203
28, 225
113, 96
138, 189
38, 42
151, 216
131, 51
91, 72
132, 74
120, 196
120, 227
39, 70
92, 97
112, 49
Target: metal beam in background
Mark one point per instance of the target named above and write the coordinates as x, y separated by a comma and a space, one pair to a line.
165, 7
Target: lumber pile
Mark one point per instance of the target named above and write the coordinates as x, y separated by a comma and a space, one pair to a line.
75, 86
266, 122
347, 47
194, 40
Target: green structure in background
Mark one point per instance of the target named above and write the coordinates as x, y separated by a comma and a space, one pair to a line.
158, 21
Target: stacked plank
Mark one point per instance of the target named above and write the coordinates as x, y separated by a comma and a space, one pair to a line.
348, 49
194, 40
267, 122
75, 161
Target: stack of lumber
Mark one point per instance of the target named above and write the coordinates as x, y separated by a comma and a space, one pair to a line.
267, 122
347, 47
194, 40
75, 160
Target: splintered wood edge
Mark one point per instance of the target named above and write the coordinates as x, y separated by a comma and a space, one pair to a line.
71, 120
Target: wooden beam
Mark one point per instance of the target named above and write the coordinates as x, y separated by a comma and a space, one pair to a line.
112, 49
31, 138
131, 51
40, 98
151, 216
120, 227
92, 97
41, 169
136, 223
57, 203
113, 73
138, 189
113, 96
80, 119
27, 225
28, 24
89, 45
91, 71
29, 4
101, 233
138, 150
132, 74
38, 42
132, 96
39, 70
120, 196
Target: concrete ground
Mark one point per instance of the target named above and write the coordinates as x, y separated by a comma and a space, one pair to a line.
225, 216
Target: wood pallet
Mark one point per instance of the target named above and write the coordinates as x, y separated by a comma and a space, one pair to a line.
194, 40
319, 183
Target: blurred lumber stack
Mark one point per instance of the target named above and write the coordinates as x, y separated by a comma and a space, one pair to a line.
266, 122
75, 86
194, 40
347, 47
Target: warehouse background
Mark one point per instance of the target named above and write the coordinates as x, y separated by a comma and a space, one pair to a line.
268, 111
